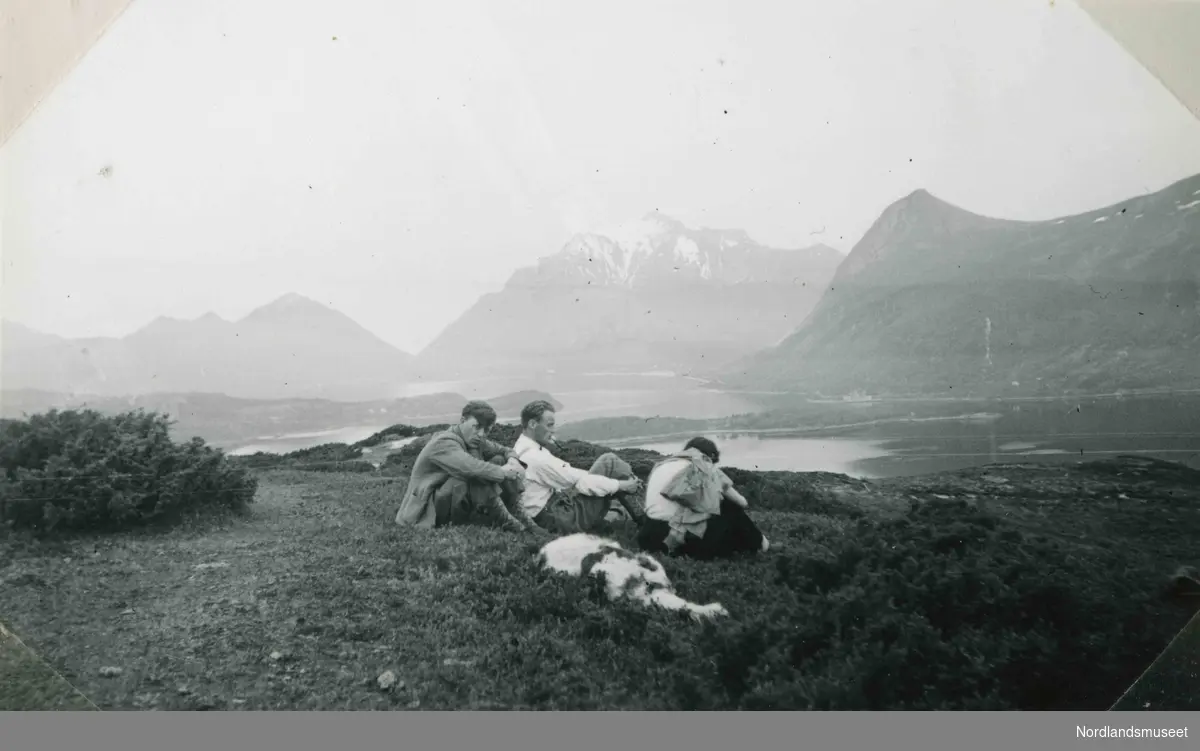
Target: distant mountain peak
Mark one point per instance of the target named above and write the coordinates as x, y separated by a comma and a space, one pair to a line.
289, 304
922, 199
292, 299
161, 322
647, 294
926, 205
292, 346
935, 297
657, 249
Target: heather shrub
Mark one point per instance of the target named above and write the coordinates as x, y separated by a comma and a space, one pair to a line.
326, 452
81, 470
335, 466
396, 433
945, 608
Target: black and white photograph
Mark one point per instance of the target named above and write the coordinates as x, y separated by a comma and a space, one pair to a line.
625, 356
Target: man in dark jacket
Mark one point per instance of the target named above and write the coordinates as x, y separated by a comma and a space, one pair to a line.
460, 473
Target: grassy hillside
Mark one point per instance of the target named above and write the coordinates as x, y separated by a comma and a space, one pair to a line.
1011, 586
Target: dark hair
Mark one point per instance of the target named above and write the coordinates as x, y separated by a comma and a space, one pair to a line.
704, 446
481, 411
534, 411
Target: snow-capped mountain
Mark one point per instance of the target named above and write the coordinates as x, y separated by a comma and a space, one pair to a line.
652, 294
657, 250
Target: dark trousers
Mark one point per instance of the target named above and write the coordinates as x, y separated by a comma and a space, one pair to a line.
472, 502
726, 534
569, 512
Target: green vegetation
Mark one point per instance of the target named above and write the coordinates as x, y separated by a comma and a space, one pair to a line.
81, 470
1005, 587
398, 432
29, 684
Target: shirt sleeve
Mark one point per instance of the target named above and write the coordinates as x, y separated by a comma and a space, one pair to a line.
489, 448
553, 472
458, 463
727, 488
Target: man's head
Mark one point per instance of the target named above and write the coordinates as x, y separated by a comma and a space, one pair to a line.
704, 446
537, 421
477, 419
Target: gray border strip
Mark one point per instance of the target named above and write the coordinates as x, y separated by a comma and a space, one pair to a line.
600, 730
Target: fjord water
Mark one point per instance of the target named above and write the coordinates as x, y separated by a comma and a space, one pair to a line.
933, 435
1053, 430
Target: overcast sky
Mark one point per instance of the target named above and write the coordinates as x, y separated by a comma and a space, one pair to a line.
397, 160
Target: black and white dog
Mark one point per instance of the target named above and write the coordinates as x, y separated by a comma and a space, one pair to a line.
626, 574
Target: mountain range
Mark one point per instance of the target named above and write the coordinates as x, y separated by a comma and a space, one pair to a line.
936, 300
293, 347
649, 295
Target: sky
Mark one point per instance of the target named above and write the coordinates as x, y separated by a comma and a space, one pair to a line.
395, 161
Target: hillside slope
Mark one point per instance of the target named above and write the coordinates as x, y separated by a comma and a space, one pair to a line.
935, 300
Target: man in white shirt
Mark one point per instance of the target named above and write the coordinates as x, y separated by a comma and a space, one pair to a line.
561, 498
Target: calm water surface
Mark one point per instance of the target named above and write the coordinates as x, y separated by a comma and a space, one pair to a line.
1054, 432
1061, 430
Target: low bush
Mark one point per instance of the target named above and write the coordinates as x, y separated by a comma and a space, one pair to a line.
81, 470
945, 608
335, 466
328, 457
326, 452
397, 432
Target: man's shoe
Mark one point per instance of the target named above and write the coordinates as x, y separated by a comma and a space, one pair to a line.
632, 508
497, 509
512, 525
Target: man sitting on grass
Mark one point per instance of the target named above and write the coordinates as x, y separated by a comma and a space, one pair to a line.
559, 497
460, 473
693, 509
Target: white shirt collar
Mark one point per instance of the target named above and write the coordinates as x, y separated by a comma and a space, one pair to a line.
525, 444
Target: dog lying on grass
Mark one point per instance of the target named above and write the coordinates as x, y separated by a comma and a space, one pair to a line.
626, 574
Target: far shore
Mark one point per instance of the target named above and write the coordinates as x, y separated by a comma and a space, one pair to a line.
623, 442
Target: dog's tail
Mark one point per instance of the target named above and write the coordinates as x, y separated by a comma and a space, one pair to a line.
671, 601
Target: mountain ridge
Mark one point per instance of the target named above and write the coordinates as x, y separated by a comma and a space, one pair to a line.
649, 294
292, 346
935, 299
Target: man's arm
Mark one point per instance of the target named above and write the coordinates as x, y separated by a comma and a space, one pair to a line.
555, 473
489, 448
450, 457
730, 492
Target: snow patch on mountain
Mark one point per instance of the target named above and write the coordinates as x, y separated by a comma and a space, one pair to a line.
616, 253
686, 250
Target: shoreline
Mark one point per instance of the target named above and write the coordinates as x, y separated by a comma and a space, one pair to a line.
618, 442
